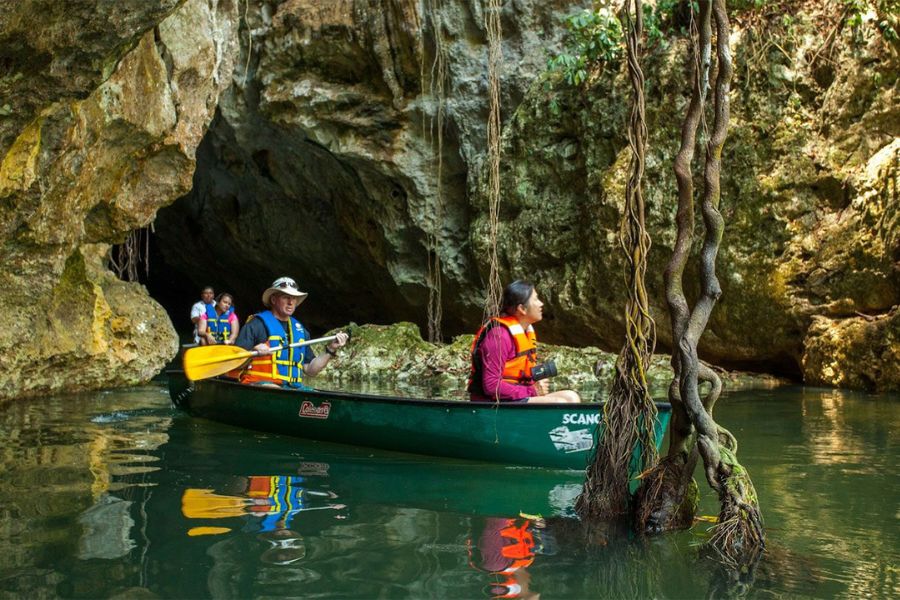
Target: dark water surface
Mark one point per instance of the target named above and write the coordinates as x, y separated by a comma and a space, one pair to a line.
115, 494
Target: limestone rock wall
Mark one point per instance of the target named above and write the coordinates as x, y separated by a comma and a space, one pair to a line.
103, 133
311, 125
322, 160
321, 163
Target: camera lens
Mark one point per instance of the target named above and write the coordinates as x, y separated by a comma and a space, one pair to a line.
544, 370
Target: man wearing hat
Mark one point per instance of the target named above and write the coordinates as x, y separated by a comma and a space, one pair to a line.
277, 327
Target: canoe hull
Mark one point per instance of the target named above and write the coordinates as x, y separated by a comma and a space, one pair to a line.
544, 435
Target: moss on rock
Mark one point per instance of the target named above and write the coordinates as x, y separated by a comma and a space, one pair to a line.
810, 210
394, 356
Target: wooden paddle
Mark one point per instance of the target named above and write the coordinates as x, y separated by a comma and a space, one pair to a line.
204, 362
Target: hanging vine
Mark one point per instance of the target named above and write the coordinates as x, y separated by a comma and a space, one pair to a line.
629, 411
125, 259
495, 56
437, 79
249, 43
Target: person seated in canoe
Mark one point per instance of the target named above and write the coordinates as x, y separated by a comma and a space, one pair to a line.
504, 353
219, 325
207, 297
277, 327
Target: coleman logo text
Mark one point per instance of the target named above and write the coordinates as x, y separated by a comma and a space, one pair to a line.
308, 409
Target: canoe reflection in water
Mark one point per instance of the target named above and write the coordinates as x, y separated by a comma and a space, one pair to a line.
272, 501
269, 505
267, 513
504, 549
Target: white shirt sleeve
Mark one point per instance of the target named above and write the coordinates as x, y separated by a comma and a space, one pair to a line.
198, 309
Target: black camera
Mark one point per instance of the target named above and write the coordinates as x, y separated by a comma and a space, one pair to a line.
544, 370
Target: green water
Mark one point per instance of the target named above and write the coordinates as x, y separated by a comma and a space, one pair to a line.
115, 494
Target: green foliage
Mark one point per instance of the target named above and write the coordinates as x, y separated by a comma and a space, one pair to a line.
593, 38
886, 15
888, 31
667, 16
888, 23
855, 11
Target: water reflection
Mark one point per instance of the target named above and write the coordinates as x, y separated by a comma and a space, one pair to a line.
73, 484
271, 500
505, 548
117, 494
824, 465
106, 529
269, 509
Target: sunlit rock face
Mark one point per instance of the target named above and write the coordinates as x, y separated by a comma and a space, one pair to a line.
104, 132
855, 352
61, 51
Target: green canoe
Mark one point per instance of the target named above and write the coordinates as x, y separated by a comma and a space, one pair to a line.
541, 435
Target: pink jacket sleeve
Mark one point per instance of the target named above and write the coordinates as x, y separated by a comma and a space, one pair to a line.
498, 347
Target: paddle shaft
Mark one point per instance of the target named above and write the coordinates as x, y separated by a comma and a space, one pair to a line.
253, 353
299, 344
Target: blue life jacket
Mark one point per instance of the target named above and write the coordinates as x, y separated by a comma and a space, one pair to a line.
218, 326
286, 365
285, 497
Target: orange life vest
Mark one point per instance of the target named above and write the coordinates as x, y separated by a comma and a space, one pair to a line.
516, 370
518, 549
520, 546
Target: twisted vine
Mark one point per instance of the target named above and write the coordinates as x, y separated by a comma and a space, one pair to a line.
658, 510
738, 538
629, 413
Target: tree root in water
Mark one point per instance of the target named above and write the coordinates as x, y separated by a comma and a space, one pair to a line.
665, 501
738, 539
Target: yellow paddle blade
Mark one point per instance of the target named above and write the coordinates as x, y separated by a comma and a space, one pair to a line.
204, 362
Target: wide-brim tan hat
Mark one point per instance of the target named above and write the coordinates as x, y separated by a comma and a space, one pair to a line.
286, 286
